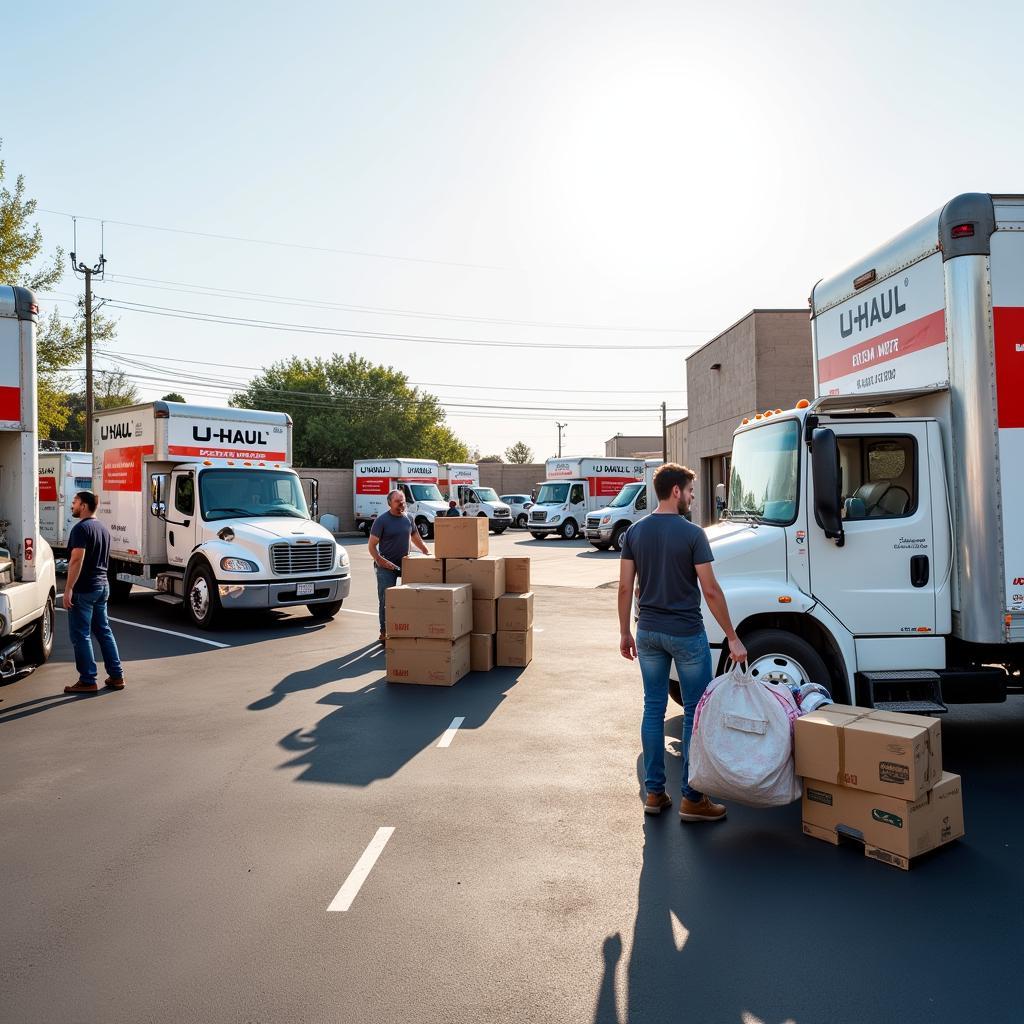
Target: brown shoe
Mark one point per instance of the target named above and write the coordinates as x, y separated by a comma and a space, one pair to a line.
656, 803
383, 637
114, 684
701, 810
81, 687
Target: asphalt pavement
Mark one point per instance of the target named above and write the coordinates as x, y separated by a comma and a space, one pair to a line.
170, 852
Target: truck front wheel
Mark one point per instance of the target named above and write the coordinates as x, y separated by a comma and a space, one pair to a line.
39, 646
119, 590
777, 656
569, 529
202, 602
620, 532
324, 612
423, 528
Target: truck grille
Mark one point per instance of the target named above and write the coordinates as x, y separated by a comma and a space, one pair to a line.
288, 559
593, 522
538, 516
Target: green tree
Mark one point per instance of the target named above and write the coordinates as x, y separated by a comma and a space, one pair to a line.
346, 408
173, 396
519, 454
490, 458
111, 389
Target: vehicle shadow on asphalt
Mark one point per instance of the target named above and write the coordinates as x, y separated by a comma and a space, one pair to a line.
37, 705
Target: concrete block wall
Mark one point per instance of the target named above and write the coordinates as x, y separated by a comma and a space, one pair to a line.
785, 371
509, 479
624, 446
678, 442
335, 493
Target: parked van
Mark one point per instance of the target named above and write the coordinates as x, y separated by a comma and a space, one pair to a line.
374, 479
607, 526
460, 481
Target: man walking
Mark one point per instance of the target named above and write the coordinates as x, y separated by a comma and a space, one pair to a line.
671, 558
85, 597
389, 544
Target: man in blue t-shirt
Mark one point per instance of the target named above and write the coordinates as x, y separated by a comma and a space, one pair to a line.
669, 559
389, 544
85, 597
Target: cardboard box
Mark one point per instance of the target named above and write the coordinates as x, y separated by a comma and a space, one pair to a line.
427, 662
517, 575
877, 751
515, 648
460, 537
422, 570
485, 617
515, 612
485, 575
441, 611
481, 652
892, 830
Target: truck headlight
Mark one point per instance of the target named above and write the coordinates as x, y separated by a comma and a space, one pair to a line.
554, 519
238, 565
342, 557
605, 520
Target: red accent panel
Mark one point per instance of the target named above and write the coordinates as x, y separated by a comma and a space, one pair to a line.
10, 403
48, 488
122, 467
1008, 322
608, 486
900, 341
372, 485
225, 453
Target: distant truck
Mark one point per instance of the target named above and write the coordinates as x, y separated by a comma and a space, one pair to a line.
576, 487
606, 527
203, 507
28, 581
460, 481
374, 479
61, 476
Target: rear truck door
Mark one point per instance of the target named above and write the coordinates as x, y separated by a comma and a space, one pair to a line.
881, 581
181, 517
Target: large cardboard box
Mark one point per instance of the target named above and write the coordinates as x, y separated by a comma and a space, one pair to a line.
517, 575
877, 751
485, 617
892, 830
515, 648
481, 652
515, 612
422, 570
485, 575
460, 537
441, 611
428, 662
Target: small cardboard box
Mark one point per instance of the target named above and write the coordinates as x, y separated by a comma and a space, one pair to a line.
517, 575
440, 611
515, 612
515, 648
876, 751
460, 536
422, 570
481, 652
485, 575
427, 662
892, 830
485, 617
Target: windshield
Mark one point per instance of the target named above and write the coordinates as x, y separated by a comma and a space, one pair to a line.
487, 494
627, 495
553, 494
234, 493
425, 492
765, 468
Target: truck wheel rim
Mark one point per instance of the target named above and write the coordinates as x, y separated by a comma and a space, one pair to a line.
422, 528
47, 627
200, 598
779, 668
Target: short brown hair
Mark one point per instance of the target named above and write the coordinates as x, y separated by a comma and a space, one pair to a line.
88, 499
670, 475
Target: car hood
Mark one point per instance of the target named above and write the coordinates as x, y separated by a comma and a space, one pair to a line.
744, 550
264, 531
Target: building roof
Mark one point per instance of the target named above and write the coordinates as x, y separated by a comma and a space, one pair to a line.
746, 316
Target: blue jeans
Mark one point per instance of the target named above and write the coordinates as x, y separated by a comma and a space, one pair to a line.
385, 578
656, 652
87, 617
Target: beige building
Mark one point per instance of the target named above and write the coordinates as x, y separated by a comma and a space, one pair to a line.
633, 446
762, 362
677, 434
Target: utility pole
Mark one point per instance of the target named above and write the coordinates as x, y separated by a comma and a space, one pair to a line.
88, 272
664, 433
561, 427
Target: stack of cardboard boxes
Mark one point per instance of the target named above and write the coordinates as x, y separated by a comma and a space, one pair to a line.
487, 609
876, 777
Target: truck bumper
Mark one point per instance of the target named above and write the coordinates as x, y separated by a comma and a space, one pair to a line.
601, 535
283, 593
543, 528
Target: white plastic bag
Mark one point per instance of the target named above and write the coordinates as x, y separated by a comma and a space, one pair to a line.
741, 748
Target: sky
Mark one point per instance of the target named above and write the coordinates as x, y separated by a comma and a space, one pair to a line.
601, 187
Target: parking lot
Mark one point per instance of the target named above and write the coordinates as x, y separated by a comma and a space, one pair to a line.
170, 852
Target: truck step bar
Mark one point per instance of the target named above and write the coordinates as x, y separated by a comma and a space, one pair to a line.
10, 650
175, 599
910, 691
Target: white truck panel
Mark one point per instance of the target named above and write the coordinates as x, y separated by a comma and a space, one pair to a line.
61, 476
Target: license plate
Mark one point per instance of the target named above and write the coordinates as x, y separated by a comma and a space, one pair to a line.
304, 589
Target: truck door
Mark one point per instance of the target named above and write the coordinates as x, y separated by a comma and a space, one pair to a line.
882, 580
181, 517
578, 502
466, 499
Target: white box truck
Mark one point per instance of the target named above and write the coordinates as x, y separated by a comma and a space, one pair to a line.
606, 527
460, 481
61, 476
575, 487
28, 581
203, 506
874, 538
374, 479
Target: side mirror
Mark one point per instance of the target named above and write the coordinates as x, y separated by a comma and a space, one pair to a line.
719, 498
826, 476
158, 494
311, 489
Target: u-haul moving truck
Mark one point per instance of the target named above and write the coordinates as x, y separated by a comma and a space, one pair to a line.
575, 487
874, 538
203, 506
28, 583
374, 479
460, 481
607, 527
61, 476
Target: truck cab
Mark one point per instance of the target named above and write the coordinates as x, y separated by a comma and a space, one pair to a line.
606, 528
560, 507
475, 500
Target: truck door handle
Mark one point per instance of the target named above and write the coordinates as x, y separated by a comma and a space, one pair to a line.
919, 570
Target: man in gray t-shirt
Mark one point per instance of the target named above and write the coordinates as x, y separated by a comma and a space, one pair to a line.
668, 560
389, 544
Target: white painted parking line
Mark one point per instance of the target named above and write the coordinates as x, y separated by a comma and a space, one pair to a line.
351, 886
157, 629
356, 611
449, 733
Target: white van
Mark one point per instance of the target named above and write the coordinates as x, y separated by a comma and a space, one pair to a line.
460, 481
374, 479
607, 526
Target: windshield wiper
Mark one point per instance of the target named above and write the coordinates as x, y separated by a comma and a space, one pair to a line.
745, 516
293, 513
230, 511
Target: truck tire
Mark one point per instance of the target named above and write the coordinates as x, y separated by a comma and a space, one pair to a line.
522, 520
424, 529
202, 602
119, 590
537, 536
499, 530
620, 532
783, 657
601, 545
39, 646
569, 530
325, 612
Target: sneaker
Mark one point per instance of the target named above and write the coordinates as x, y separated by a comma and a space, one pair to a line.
114, 684
81, 687
701, 810
656, 803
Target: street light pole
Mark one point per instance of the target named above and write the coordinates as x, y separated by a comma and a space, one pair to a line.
561, 427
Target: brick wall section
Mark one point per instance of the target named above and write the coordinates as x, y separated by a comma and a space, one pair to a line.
785, 372
507, 479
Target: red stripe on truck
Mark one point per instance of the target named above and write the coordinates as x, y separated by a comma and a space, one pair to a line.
1008, 323
608, 486
122, 467
226, 453
372, 485
10, 403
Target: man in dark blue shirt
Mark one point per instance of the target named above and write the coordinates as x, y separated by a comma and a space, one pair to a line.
669, 559
85, 597
389, 544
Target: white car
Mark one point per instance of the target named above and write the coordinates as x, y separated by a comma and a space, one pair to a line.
520, 505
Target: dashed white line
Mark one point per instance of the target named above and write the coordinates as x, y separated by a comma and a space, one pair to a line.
351, 886
157, 629
449, 733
